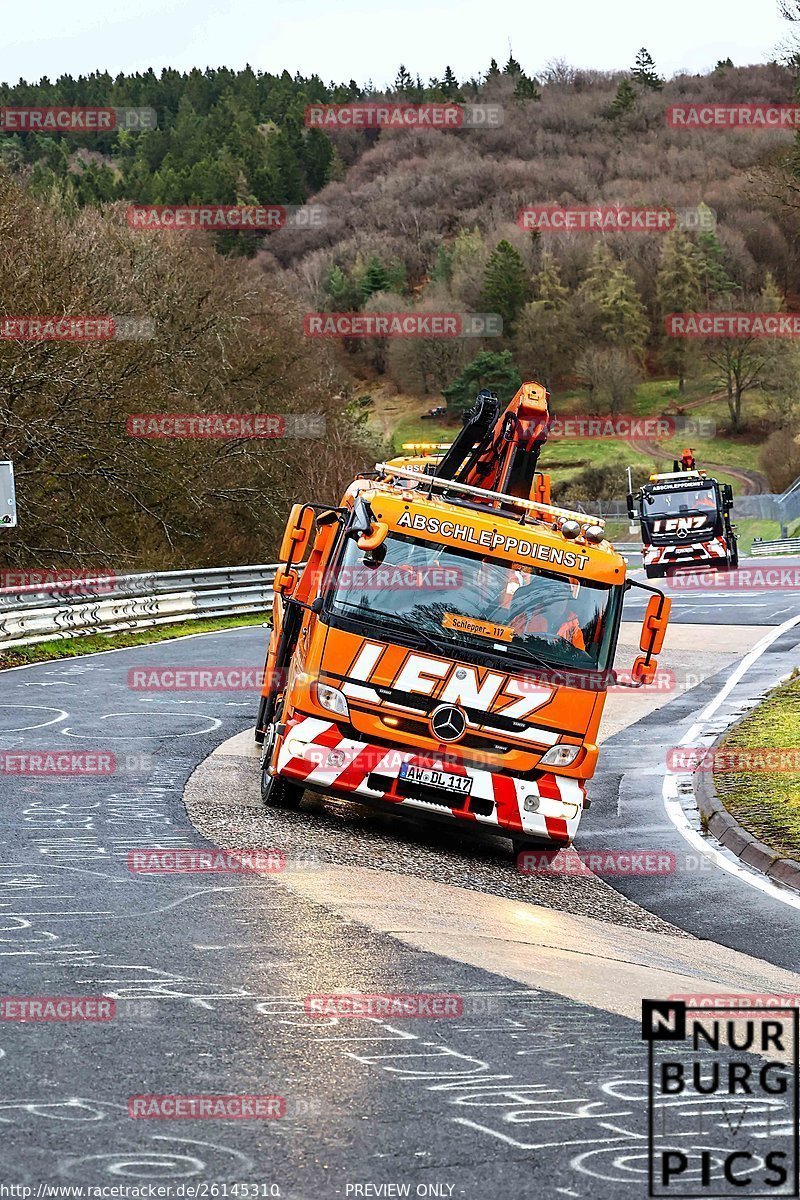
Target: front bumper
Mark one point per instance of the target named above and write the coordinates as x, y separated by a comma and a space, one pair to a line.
683, 554
314, 752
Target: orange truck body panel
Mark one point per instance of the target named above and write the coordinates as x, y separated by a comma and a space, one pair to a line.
390, 742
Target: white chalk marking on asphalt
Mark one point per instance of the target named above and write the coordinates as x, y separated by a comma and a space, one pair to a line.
138, 737
672, 803
41, 708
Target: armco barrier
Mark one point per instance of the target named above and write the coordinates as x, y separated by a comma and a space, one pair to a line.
35, 614
761, 548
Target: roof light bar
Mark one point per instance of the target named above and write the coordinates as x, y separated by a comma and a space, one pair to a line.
447, 485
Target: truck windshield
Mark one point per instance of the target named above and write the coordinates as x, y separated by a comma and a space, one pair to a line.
500, 610
681, 500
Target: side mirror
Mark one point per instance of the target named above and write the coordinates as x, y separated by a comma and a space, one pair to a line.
631, 509
285, 581
643, 671
654, 626
375, 538
297, 534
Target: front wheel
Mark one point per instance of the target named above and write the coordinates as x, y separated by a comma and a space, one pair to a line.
276, 792
733, 560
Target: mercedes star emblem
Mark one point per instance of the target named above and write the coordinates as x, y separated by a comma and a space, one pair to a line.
448, 723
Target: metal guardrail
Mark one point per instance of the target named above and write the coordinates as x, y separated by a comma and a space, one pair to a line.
108, 603
628, 549
763, 547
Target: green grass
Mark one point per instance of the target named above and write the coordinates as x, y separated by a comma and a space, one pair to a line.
767, 803
748, 529
412, 429
92, 642
652, 398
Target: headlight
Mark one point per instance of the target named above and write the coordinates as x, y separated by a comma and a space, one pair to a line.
332, 699
560, 756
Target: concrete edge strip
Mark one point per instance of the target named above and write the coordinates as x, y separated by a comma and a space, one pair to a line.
593, 962
734, 837
753, 862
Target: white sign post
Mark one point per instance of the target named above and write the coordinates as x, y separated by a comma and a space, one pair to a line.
8, 502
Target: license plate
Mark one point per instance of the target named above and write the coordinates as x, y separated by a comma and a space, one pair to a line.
443, 781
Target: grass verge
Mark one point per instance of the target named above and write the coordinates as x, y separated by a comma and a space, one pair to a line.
90, 643
767, 803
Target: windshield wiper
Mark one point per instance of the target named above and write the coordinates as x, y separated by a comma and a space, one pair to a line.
406, 626
552, 668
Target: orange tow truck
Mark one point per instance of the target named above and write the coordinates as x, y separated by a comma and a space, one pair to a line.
443, 640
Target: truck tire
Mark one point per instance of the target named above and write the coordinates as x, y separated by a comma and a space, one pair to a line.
733, 559
276, 792
519, 844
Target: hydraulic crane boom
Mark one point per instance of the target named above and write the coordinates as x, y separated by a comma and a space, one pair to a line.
500, 451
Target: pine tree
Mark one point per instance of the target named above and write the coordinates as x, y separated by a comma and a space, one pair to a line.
494, 70
489, 369
623, 318
644, 72
342, 291
547, 285
602, 264
403, 81
375, 277
506, 284
715, 282
526, 89
512, 67
623, 102
449, 83
678, 289
337, 168
317, 154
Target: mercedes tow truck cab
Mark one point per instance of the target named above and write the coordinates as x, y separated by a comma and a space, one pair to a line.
685, 519
443, 640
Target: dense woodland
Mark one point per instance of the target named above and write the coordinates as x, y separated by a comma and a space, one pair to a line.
415, 221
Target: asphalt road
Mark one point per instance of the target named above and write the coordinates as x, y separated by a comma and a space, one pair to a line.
209, 972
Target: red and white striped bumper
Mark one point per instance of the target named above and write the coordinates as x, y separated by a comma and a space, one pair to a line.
313, 751
676, 553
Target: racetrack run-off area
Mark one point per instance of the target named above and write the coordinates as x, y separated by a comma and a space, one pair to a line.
210, 973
